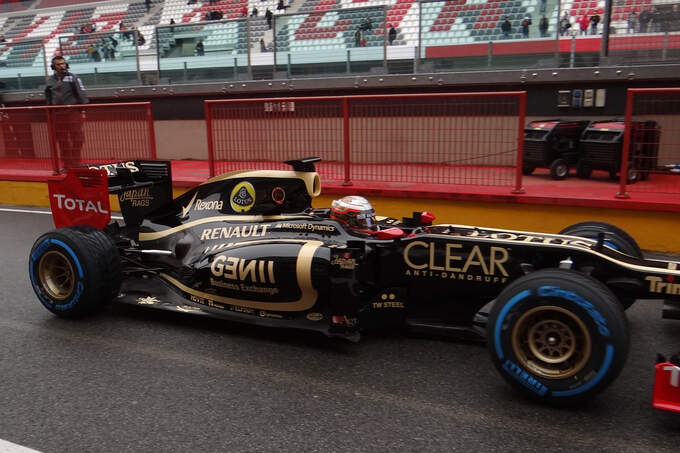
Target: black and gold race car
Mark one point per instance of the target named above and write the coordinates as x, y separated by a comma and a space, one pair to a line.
248, 246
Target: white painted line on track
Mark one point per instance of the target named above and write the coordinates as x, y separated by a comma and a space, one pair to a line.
9, 447
36, 211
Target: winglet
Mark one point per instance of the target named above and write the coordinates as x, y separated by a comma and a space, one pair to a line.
305, 164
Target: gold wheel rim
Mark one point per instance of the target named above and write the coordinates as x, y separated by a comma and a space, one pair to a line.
56, 275
551, 342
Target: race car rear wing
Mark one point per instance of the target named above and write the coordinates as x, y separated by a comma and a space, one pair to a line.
82, 196
141, 186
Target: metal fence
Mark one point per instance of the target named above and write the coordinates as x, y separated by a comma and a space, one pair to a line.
48, 138
438, 139
652, 138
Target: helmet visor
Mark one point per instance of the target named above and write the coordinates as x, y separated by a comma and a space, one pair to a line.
366, 220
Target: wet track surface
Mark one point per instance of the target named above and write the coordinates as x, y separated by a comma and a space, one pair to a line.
134, 380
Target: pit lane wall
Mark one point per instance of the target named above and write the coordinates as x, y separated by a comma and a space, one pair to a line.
654, 230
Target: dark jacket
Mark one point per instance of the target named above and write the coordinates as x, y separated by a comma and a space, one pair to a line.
70, 91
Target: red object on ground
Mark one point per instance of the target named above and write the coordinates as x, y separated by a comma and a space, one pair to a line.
667, 387
80, 198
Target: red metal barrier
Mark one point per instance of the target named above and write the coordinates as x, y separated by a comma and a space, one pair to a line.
47, 138
440, 139
652, 138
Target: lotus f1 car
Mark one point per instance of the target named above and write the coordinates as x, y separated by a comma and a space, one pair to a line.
248, 246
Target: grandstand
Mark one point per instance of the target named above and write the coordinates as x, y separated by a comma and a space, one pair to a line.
317, 38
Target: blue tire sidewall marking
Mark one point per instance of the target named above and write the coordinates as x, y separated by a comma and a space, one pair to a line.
37, 254
501, 317
611, 245
608, 358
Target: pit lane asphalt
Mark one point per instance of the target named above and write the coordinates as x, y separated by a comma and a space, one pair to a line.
139, 380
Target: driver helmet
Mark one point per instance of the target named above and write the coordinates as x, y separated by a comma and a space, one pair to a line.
355, 212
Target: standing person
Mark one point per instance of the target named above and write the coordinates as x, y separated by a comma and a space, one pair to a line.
632, 22
506, 27
675, 18
655, 22
268, 15
565, 25
525, 26
392, 35
583, 24
643, 20
65, 88
357, 38
543, 26
594, 20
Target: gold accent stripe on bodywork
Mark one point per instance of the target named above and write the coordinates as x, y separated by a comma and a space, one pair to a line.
311, 179
224, 218
303, 270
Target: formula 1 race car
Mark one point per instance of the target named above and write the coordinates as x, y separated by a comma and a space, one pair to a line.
248, 246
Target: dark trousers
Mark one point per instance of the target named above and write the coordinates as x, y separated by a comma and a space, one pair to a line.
68, 129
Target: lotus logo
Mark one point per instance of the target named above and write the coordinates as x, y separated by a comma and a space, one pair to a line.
242, 197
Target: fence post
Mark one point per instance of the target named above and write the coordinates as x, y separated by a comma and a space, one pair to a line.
664, 48
520, 143
209, 132
53, 141
623, 180
152, 132
489, 54
345, 140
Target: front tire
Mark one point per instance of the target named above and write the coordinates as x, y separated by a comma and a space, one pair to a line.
558, 336
74, 271
614, 237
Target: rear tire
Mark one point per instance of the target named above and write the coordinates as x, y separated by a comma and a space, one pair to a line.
558, 336
559, 169
74, 271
